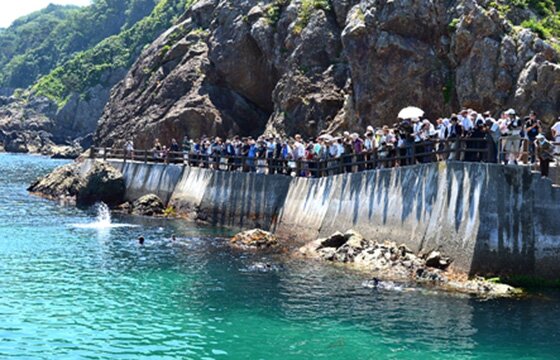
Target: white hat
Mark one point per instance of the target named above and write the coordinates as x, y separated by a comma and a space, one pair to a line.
540, 137
510, 112
370, 128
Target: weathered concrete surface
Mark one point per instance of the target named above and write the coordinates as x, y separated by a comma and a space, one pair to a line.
546, 205
305, 208
143, 179
190, 190
490, 219
243, 200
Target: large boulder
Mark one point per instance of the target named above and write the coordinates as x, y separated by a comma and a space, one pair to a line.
148, 205
254, 239
64, 182
102, 183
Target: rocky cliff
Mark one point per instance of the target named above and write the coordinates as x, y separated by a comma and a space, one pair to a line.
36, 123
287, 66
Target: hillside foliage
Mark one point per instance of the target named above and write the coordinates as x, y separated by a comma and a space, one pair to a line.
546, 23
87, 68
37, 43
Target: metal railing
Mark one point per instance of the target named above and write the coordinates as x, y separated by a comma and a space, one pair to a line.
460, 149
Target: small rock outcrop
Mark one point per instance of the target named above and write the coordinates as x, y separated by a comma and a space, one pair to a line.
254, 239
436, 260
148, 205
102, 183
398, 262
63, 152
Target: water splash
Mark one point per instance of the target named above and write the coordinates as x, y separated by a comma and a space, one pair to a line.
102, 220
103, 215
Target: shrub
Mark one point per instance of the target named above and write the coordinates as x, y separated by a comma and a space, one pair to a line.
453, 24
537, 27
273, 11
306, 10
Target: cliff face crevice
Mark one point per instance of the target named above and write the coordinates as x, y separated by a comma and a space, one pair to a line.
307, 66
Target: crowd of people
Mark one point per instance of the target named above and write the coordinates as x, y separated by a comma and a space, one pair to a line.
466, 136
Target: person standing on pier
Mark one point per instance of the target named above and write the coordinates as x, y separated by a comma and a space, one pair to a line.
556, 136
532, 129
456, 132
129, 150
544, 150
186, 148
173, 152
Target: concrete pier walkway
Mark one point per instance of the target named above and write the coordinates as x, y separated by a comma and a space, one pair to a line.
489, 218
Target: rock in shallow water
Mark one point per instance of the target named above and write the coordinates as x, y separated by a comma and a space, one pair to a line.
102, 183
436, 260
148, 205
254, 239
399, 262
62, 182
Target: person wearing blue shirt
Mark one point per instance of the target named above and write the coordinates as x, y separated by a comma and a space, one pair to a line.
251, 155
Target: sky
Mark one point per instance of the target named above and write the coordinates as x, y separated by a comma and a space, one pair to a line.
18, 8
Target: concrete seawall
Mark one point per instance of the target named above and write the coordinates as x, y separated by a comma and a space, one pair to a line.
490, 219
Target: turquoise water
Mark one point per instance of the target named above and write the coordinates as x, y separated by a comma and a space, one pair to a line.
69, 292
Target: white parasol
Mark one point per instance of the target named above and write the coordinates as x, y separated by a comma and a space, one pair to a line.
411, 112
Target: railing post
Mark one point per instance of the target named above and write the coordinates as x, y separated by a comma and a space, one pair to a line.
145, 156
104, 153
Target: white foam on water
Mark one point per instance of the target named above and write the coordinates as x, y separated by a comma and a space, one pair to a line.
102, 221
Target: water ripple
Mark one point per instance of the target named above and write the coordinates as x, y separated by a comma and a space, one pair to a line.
68, 292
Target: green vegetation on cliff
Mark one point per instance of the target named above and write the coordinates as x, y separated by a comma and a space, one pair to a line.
35, 44
547, 21
87, 68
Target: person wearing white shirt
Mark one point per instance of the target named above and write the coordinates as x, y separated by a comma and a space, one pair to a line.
465, 121
298, 149
556, 136
512, 145
416, 129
